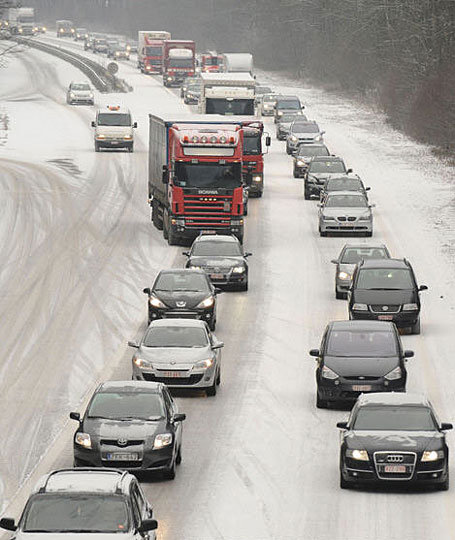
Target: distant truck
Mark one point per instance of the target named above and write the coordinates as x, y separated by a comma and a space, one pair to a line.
179, 61
150, 50
211, 62
195, 178
65, 28
238, 63
227, 94
21, 20
253, 155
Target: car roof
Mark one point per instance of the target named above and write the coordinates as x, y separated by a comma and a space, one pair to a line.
384, 263
84, 481
129, 385
362, 326
184, 323
217, 238
393, 398
183, 271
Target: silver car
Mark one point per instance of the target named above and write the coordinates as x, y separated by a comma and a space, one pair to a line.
285, 122
80, 92
181, 353
349, 256
302, 132
345, 212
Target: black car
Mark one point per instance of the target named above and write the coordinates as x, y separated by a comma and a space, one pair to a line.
319, 170
394, 438
303, 155
386, 290
222, 258
356, 357
130, 425
187, 293
344, 183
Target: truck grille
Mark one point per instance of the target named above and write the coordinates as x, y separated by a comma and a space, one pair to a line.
208, 210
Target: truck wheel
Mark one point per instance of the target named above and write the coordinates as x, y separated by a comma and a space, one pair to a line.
307, 194
165, 225
131, 148
172, 238
156, 216
415, 328
97, 147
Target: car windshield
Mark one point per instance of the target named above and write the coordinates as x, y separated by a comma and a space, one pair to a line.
304, 128
346, 201
153, 51
176, 336
385, 278
394, 418
309, 150
361, 344
344, 184
355, 255
181, 63
121, 119
80, 87
269, 99
327, 167
252, 145
182, 281
194, 86
242, 107
135, 404
68, 512
262, 89
216, 249
208, 175
289, 104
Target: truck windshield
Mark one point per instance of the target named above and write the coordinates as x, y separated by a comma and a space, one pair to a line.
154, 51
114, 120
242, 107
252, 145
181, 63
208, 175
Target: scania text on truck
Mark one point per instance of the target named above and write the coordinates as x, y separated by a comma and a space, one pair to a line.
238, 63
195, 178
211, 62
150, 50
227, 94
21, 20
179, 59
253, 156
65, 28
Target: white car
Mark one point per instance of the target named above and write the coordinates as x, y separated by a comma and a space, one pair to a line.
80, 92
114, 128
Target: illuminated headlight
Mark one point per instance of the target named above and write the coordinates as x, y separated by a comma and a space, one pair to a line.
237, 222
156, 302
300, 163
293, 138
359, 455
117, 54
169, 78
61, 30
148, 67
127, 137
142, 363
328, 373
72, 95
44, 28
257, 178
100, 136
90, 95
365, 217
20, 30
318, 138
83, 439
128, 48
432, 455
207, 303
394, 374
196, 267
410, 307
238, 269
162, 440
360, 307
279, 113
344, 275
204, 364
328, 218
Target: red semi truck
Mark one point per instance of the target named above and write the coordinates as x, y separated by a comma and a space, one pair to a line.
253, 155
195, 178
150, 45
179, 59
211, 62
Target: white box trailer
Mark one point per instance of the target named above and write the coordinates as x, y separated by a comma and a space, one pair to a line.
238, 63
227, 94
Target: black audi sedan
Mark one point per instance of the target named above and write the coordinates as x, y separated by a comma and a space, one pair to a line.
386, 290
222, 258
356, 357
396, 439
131, 425
183, 294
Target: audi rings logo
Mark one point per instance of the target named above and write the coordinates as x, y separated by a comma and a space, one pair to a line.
395, 458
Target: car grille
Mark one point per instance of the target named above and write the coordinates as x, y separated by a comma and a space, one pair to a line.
346, 218
380, 308
114, 442
362, 378
399, 459
174, 381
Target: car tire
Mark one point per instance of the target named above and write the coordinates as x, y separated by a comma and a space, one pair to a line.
212, 325
245, 209
340, 295
172, 238
307, 194
178, 459
415, 328
97, 147
211, 390
343, 483
131, 149
322, 233
165, 224
288, 151
77, 463
169, 473
218, 378
445, 485
156, 216
321, 403
243, 287
369, 234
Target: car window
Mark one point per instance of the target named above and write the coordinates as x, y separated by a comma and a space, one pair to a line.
216, 249
120, 119
134, 404
182, 281
391, 418
355, 255
344, 185
288, 104
137, 514
168, 403
305, 128
327, 167
175, 336
349, 344
385, 278
308, 150
346, 201
139, 501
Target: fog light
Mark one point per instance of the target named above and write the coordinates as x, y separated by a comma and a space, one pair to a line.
337, 382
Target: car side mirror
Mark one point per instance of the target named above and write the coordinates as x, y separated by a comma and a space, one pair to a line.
218, 290
342, 425
268, 140
315, 352
408, 354
93, 123
322, 132
135, 125
8, 523
146, 291
148, 525
133, 344
334, 261
367, 189
423, 288
247, 254
218, 345
371, 206
186, 253
179, 417
75, 416
349, 171
445, 426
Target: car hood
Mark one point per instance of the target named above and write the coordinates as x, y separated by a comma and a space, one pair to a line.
217, 262
348, 211
182, 299
118, 429
174, 355
358, 366
406, 441
386, 297
322, 177
114, 131
82, 93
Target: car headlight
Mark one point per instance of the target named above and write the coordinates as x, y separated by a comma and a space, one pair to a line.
83, 439
365, 217
156, 302
208, 302
394, 374
279, 113
432, 455
44, 28
300, 163
72, 95
204, 364
237, 222
360, 307
162, 440
257, 178
117, 54
100, 136
328, 373
328, 218
344, 275
142, 363
238, 269
359, 455
410, 307
127, 137
293, 138
318, 138
90, 95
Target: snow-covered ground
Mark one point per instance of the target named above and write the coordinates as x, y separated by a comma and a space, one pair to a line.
260, 461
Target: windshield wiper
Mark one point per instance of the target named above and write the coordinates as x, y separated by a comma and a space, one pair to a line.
126, 418
187, 290
384, 289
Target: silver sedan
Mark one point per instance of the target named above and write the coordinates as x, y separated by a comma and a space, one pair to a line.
181, 353
345, 212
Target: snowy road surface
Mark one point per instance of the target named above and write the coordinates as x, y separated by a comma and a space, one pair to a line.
259, 460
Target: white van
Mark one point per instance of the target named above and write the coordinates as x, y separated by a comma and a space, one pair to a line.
114, 128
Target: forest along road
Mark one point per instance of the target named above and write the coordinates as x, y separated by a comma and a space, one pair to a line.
259, 460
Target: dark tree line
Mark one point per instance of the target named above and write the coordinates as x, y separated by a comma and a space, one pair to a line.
401, 52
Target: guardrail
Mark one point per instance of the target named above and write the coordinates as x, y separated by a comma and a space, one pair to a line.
101, 78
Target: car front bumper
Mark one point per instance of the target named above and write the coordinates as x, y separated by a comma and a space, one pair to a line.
345, 226
189, 379
402, 319
114, 143
349, 391
189, 313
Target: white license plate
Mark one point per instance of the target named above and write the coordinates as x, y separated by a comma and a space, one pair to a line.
208, 231
385, 317
394, 468
217, 276
173, 374
361, 387
122, 457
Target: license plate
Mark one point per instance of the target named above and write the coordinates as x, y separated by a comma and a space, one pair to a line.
173, 374
217, 276
208, 231
361, 387
394, 468
122, 457
385, 317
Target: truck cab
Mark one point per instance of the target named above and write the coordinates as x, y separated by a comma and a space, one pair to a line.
114, 128
253, 156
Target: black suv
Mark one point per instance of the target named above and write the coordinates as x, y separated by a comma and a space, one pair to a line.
183, 294
394, 438
386, 290
319, 170
356, 357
